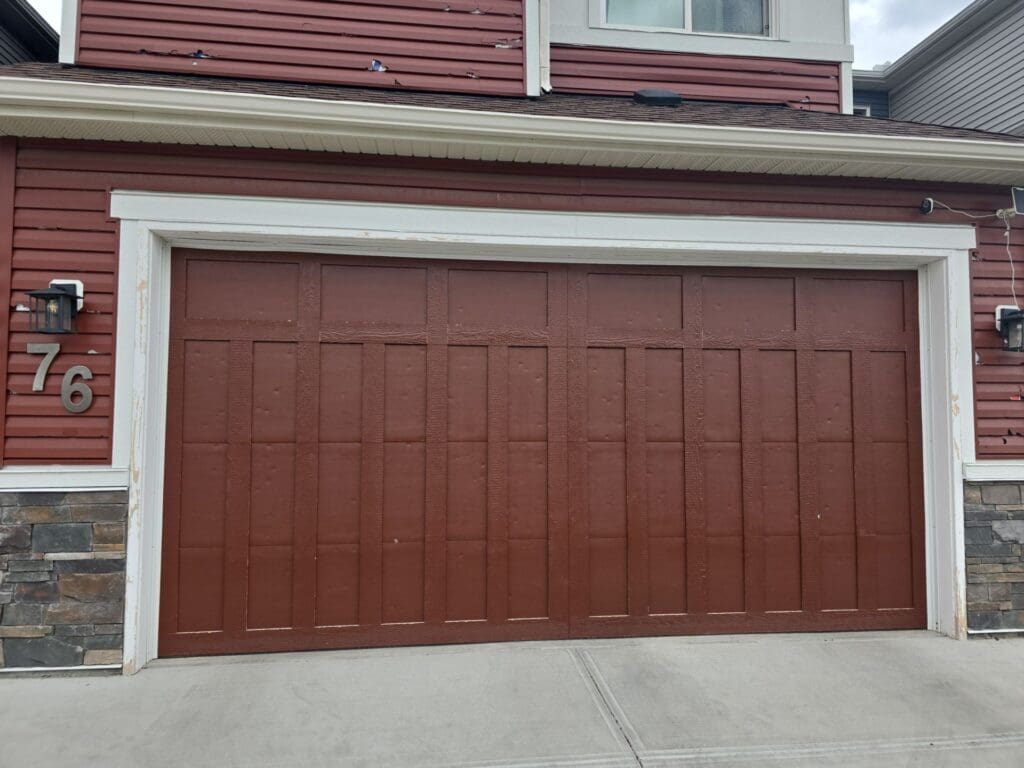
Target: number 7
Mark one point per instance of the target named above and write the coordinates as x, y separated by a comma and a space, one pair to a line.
51, 351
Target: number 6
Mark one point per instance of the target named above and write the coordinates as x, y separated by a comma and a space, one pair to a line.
69, 388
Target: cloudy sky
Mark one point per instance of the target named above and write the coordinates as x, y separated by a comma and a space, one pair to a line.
883, 30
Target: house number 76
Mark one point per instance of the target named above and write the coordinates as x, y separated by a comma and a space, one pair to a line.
69, 387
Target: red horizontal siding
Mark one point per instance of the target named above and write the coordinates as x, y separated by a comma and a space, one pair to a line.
461, 46
805, 85
61, 227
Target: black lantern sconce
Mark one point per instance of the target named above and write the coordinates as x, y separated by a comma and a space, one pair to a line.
54, 310
1010, 324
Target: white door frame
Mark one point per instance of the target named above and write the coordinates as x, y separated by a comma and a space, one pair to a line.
153, 223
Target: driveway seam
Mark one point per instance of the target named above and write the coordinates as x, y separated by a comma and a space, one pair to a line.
606, 703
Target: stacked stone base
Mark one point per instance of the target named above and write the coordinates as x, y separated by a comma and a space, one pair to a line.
62, 561
994, 519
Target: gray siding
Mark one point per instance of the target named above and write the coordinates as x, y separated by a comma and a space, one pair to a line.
11, 49
877, 100
976, 85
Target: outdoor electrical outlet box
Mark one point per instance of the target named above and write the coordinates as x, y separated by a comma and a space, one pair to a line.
1018, 200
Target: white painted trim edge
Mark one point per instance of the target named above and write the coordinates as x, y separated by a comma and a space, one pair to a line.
941, 257
846, 87
68, 31
994, 471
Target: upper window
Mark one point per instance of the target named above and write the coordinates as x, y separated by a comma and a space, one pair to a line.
731, 17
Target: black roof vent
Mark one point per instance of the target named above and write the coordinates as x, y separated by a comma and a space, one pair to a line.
657, 97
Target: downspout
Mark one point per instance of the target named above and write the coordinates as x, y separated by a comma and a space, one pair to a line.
545, 45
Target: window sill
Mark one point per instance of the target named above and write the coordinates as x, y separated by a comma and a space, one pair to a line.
684, 32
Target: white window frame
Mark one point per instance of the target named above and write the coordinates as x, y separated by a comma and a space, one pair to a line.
771, 12
151, 224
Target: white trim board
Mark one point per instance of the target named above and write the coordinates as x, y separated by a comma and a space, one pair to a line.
994, 471
151, 224
15, 479
68, 31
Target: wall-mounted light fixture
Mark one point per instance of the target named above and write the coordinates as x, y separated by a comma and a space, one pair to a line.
1010, 324
55, 309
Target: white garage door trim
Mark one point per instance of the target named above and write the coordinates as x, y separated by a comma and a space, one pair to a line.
151, 224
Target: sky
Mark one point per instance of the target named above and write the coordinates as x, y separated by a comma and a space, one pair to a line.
883, 30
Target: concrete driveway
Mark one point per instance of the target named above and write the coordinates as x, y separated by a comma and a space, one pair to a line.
894, 699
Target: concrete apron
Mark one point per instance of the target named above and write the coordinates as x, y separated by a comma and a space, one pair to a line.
892, 699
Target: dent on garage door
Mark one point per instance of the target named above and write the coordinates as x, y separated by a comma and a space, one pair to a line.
370, 452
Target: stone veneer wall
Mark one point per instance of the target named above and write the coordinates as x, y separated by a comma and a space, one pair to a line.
994, 516
62, 558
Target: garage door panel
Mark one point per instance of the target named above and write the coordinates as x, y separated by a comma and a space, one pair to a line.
341, 393
529, 583
467, 394
206, 391
493, 299
436, 452
606, 395
337, 585
204, 481
528, 491
722, 418
838, 572
270, 588
466, 579
777, 395
201, 589
339, 501
270, 288
405, 393
528, 394
466, 510
667, 575
404, 492
402, 582
725, 574
748, 307
359, 295
663, 395
782, 573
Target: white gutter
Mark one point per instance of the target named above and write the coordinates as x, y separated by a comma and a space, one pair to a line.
63, 109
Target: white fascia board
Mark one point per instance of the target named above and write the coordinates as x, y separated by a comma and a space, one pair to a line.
68, 31
136, 110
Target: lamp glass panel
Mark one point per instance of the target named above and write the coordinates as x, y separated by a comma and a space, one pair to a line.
1015, 335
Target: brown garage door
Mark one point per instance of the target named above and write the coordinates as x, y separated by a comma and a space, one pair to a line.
364, 452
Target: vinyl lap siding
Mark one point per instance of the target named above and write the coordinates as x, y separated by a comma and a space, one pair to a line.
61, 228
976, 85
11, 49
806, 85
439, 45
877, 100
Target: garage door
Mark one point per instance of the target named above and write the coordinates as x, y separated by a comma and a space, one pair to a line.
372, 452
